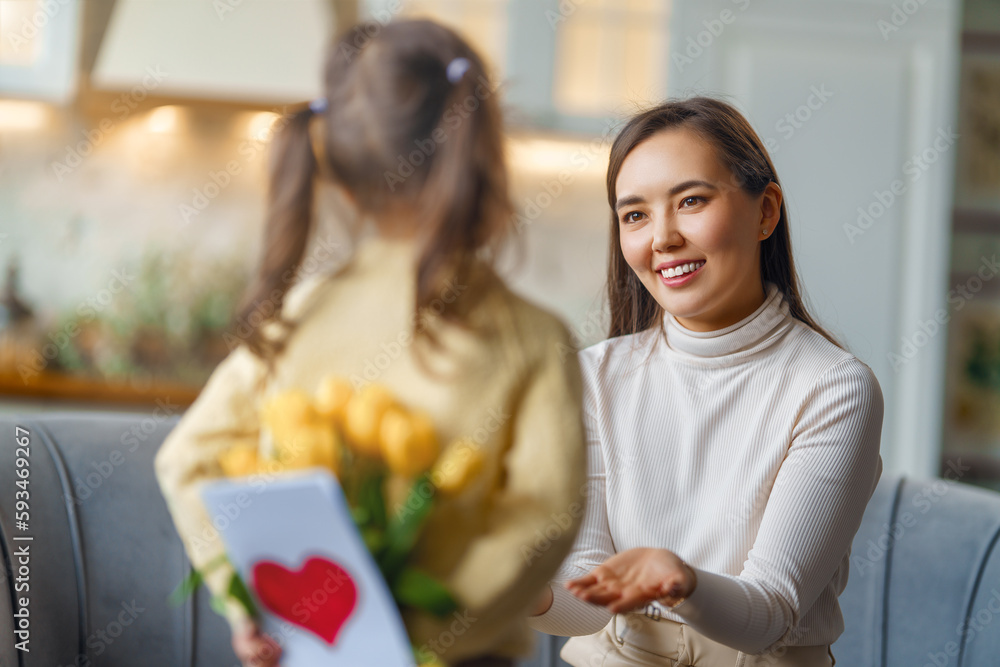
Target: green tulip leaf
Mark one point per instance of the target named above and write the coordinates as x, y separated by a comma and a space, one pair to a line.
194, 578
239, 590
404, 527
417, 589
187, 586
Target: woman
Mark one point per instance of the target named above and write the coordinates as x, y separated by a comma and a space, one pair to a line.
733, 445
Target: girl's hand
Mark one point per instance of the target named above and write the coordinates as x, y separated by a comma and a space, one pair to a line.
254, 648
630, 580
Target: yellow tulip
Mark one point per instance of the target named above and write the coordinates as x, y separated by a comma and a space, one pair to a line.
458, 466
363, 418
239, 461
332, 397
285, 413
409, 445
302, 437
311, 446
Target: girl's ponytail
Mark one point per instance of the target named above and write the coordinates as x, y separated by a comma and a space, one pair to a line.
286, 231
465, 198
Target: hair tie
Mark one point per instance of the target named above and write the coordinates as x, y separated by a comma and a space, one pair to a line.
457, 68
318, 105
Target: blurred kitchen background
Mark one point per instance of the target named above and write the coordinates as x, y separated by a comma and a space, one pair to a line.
134, 133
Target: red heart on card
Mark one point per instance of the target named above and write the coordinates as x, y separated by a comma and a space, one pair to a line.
320, 596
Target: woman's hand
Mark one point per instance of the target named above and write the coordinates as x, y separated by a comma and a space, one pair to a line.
630, 580
254, 648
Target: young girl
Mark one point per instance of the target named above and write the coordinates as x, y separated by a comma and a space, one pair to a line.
733, 444
410, 130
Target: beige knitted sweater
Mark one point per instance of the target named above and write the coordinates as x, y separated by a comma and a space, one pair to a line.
516, 390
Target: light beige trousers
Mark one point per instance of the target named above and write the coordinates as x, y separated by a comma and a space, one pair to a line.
633, 640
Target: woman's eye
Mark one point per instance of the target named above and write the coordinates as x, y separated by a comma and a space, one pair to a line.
692, 200
634, 216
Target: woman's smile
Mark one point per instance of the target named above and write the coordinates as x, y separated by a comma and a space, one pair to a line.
679, 273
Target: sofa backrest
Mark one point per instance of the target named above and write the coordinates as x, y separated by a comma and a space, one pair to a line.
925, 564
105, 555
924, 584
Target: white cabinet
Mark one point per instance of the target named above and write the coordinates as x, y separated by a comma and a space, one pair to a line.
39, 49
256, 51
858, 102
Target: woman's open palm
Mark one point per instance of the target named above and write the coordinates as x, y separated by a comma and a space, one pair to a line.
633, 578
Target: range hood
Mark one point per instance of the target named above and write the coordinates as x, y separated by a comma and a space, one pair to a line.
253, 51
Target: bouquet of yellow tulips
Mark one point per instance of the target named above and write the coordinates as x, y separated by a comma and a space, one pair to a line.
391, 466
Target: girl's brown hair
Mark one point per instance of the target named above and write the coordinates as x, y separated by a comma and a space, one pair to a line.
410, 121
738, 147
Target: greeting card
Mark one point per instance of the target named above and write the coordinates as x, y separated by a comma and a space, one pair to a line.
317, 589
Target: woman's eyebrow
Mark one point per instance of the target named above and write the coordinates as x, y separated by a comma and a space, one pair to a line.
681, 187
628, 201
677, 189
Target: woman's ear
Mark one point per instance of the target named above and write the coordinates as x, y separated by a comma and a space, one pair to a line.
770, 210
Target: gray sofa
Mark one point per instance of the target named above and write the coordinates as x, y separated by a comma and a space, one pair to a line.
104, 557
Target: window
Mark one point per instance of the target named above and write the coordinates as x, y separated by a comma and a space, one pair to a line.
570, 65
609, 53
38, 49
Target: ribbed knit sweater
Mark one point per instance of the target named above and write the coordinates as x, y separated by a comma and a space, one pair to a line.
751, 452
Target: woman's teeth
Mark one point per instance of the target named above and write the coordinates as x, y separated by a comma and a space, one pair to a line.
682, 269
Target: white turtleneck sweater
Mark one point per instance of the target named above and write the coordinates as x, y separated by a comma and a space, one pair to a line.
750, 452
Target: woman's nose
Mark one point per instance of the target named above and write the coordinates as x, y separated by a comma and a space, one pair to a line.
665, 234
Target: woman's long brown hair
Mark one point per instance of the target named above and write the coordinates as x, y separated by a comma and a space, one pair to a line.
398, 130
737, 145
